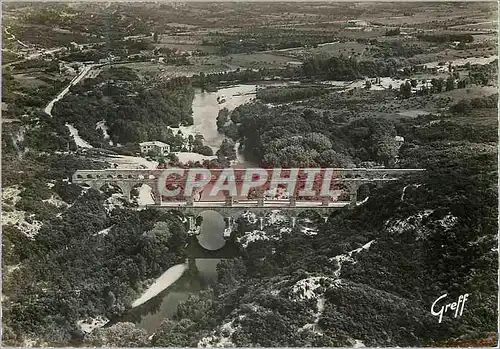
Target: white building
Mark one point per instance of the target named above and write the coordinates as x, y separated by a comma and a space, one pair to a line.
155, 146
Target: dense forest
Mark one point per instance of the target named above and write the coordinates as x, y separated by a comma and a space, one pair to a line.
82, 269
342, 68
291, 93
440, 38
133, 111
290, 138
313, 68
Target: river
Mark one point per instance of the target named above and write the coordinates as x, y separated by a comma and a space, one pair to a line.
172, 288
175, 285
205, 110
161, 299
168, 278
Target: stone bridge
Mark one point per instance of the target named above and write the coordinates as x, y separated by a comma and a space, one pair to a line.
260, 209
128, 179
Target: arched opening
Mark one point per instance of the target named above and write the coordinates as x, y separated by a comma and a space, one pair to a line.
130, 176
89, 176
79, 176
212, 227
198, 220
309, 221
85, 185
110, 189
119, 176
312, 216
110, 176
364, 191
142, 194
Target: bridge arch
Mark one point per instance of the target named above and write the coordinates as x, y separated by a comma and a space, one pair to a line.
310, 216
202, 212
112, 188
212, 226
89, 184
142, 193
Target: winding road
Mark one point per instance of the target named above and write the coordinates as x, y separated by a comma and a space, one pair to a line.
48, 109
76, 80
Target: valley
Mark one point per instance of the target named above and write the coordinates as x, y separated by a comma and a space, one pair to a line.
375, 85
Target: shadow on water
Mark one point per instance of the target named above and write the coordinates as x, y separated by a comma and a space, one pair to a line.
200, 273
195, 250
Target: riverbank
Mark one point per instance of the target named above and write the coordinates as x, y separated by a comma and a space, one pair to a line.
164, 281
175, 286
